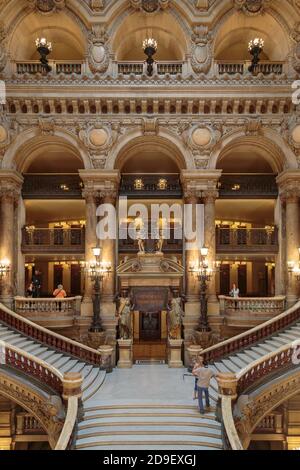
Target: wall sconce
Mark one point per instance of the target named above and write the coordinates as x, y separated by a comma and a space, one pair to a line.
162, 184
138, 184
4, 268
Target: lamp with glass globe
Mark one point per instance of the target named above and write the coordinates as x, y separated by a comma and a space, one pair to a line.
44, 48
255, 48
150, 48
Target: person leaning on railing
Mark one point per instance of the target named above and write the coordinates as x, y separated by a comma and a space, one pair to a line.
235, 293
60, 294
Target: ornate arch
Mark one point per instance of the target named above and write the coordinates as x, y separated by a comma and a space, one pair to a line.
162, 139
280, 154
32, 139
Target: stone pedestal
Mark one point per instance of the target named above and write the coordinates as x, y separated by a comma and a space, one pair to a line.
194, 350
175, 348
125, 353
95, 340
106, 352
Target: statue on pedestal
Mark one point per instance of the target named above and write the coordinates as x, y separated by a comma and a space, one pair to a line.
175, 316
125, 318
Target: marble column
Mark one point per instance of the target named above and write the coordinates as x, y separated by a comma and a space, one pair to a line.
291, 198
9, 197
108, 305
90, 242
209, 198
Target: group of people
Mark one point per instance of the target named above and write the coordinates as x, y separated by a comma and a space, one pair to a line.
34, 288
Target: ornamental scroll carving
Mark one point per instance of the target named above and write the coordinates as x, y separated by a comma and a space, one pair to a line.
98, 49
46, 7
295, 36
3, 46
202, 52
150, 6
252, 7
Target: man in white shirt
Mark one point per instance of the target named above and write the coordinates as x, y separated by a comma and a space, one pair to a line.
204, 375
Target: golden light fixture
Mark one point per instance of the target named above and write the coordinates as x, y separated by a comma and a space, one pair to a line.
162, 184
138, 184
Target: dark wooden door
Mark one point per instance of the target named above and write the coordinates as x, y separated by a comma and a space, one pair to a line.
150, 326
57, 275
225, 279
242, 280
75, 280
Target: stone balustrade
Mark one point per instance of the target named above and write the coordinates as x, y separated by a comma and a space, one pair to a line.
58, 67
53, 240
243, 240
271, 424
50, 313
247, 312
27, 424
241, 67
161, 68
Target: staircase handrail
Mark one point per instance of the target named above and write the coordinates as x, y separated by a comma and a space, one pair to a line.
254, 373
46, 374
252, 336
50, 338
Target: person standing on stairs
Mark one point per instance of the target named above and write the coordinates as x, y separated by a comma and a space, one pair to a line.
204, 375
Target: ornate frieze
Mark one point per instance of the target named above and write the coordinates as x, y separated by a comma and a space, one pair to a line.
252, 7
98, 49
98, 138
202, 53
295, 36
150, 6
3, 46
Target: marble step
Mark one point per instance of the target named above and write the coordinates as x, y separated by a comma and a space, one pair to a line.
202, 421
95, 386
289, 335
231, 366
238, 362
150, 447
162, 429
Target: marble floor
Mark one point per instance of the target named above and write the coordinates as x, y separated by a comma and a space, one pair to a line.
146, 384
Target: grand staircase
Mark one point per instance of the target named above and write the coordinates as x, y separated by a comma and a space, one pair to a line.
93, 377
126, 410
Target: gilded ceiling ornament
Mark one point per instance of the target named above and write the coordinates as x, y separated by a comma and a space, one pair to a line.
150, 6
252, 7
46, 6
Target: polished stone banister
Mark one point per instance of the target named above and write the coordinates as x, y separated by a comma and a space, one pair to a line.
252, 303
232, 386
68, 386
252, 336
47, 337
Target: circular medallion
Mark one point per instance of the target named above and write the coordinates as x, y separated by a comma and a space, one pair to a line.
296, 134
3, 134
202, 137
98, 137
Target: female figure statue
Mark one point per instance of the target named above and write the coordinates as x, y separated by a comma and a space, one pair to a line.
175, 318
125, 318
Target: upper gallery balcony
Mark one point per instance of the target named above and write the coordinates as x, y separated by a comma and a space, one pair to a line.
244, 240
54, 240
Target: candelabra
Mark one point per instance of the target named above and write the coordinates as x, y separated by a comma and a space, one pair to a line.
150, 48
294, 268
44, 48
4, 268
255, 48
97, 270
204, 274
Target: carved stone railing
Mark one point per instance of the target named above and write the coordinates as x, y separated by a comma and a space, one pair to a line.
239, 423
51, 339
246, 240
57, 420
270, 424
246, 312
45, 186
27, 424
253, 336
241, 67
51, 313
58, 67
140, 68
54, 240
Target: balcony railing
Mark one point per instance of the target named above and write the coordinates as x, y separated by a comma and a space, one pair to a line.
58, 67
246, 240
139, 68
241, 67
35, 240
245, 312
161, 186
271, 424
28, 425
